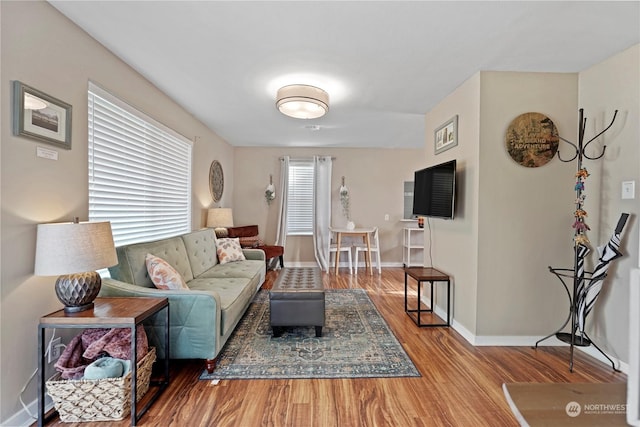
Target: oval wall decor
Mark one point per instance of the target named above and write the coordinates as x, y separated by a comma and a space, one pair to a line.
532, 139
216, 181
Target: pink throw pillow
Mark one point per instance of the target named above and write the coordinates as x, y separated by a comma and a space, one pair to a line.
229, 250
163, 275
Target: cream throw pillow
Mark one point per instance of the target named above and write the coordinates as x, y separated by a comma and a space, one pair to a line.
163, 275
229, 250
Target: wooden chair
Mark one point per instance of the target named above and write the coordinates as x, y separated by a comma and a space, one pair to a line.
333, 249
374, 246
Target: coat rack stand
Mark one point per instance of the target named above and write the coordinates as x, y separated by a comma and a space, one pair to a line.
578, 275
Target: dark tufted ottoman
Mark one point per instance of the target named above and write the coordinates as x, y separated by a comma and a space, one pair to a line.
297, 299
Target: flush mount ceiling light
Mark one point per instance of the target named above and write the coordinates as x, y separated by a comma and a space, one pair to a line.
302, 101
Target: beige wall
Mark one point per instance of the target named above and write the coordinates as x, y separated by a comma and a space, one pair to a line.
375, 179
510, 293
454, 243
41, 48
611, 85
511, 222
525, 214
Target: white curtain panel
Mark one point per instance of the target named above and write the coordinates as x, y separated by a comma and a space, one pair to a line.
281, 233
322, 210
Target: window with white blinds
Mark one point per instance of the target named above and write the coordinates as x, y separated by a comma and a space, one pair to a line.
300, 197
139, 172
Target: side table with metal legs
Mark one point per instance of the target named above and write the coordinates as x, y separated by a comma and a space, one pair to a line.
432, 276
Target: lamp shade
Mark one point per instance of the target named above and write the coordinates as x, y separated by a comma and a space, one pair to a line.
302, 101
220, 217
67, 248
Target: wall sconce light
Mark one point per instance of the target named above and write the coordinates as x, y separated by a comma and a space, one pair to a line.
270, 192
344, 202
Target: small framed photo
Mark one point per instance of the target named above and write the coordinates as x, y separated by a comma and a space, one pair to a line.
446, 136
39, 116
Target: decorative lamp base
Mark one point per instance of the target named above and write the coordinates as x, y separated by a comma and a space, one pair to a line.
78, 291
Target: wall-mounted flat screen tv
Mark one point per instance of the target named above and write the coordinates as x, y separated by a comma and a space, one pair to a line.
434, 191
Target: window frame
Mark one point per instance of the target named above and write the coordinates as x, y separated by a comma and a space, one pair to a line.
139, 171
300, 197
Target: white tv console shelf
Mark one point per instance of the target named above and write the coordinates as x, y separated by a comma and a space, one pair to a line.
412, 246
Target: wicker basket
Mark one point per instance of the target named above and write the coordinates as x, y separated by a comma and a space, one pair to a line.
107, 399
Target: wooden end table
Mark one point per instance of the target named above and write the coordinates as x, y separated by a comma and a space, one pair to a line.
432, 276
108, 313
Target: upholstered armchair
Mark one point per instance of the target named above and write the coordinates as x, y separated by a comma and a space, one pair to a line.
249, 238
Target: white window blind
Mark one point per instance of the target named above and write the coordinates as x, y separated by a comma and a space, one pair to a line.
300, 197
139, 172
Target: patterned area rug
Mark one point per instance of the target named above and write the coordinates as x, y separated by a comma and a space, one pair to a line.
356, 342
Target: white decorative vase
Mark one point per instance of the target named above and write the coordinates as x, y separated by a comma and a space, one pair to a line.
351, 225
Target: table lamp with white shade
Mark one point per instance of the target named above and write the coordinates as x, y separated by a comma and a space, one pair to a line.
220, 218
74, 251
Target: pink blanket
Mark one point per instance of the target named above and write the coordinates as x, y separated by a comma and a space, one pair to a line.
95, 343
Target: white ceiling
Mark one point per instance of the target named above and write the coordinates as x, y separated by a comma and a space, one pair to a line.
384, 64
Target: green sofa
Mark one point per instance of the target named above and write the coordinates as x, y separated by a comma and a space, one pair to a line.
202, 318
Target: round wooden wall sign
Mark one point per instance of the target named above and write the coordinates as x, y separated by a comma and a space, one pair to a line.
532, 139
216, 180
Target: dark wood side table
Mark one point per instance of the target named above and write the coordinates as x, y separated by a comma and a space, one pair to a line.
432, 276
108, 313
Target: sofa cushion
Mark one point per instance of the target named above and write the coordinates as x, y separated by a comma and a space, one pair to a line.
229, 250
201, 250
132, 267
163, 275
245, 269
235, 295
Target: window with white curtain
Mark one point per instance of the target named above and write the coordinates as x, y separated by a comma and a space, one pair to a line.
300, 197
139, 172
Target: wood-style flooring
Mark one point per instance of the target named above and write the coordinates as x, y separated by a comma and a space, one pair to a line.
460, 384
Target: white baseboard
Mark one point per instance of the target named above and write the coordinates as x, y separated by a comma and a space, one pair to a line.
309, 264
500, 340
518, 340
22, 417
522, 341
342, 264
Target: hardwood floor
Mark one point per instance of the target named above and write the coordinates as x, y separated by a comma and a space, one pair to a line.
460, 384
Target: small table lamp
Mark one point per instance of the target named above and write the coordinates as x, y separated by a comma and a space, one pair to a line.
220, 218
75, 250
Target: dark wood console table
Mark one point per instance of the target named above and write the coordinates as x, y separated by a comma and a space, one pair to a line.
432, 276
108, 313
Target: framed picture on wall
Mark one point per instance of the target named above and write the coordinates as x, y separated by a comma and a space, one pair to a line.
39, 116
446, 136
